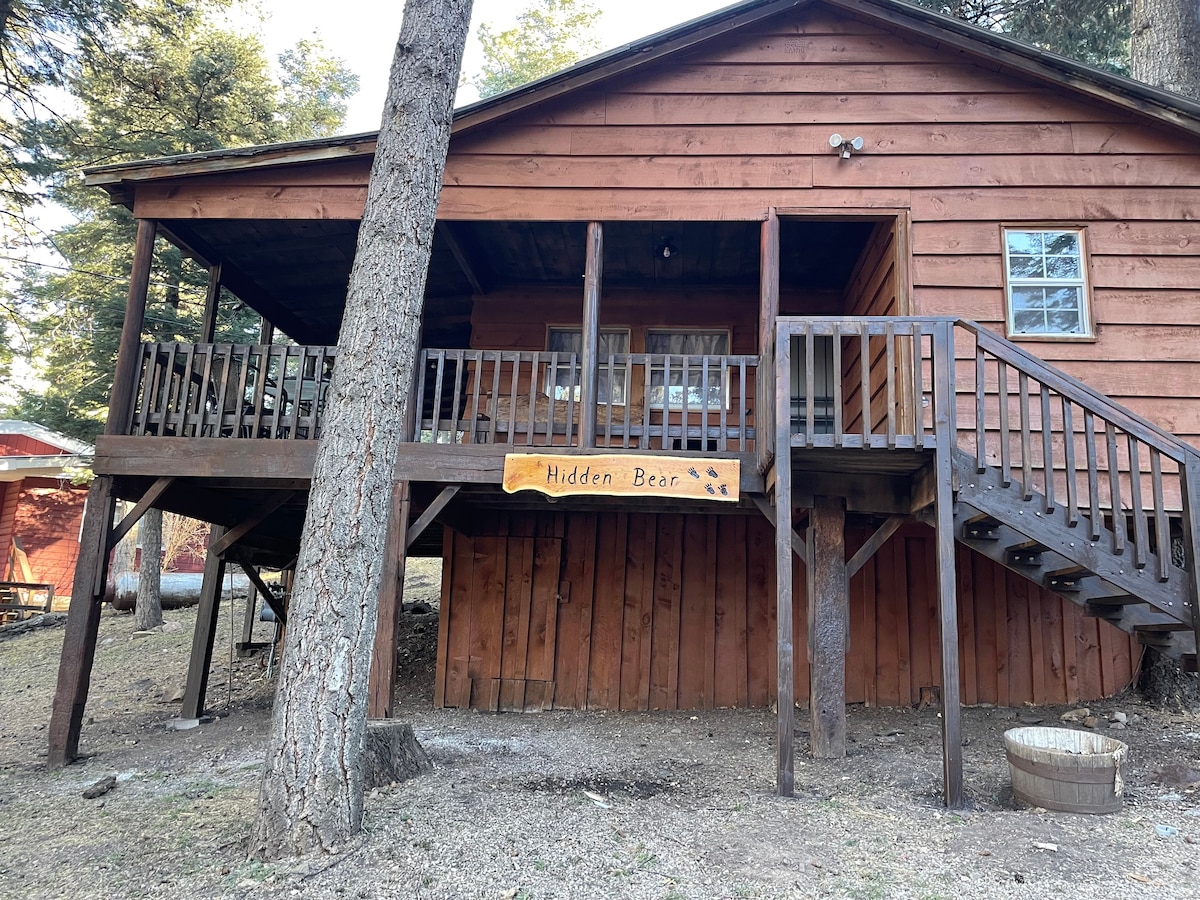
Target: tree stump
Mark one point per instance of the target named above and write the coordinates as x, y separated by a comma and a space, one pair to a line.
392, 754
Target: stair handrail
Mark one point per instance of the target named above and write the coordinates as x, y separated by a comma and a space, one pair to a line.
1080, 393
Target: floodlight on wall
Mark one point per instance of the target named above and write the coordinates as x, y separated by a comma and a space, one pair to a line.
845, 146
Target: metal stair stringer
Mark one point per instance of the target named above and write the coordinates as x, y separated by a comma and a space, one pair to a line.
1163, 617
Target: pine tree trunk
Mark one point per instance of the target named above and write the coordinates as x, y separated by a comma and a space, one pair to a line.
148, 611
1165, 45
123, 554
312, 788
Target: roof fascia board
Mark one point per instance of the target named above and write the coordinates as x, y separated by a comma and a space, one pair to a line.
43, 434
1043, 65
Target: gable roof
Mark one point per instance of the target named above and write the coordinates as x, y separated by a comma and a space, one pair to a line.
1018, 56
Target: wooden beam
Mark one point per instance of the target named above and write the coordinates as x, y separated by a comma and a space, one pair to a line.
446, 231
261, 586
134, 515
83, 624
830, 604
784, 551
768, 312
944, 428
799, 542
239, 531
208, 323
381, 682
206, 629
251, 459
431, 512
874, 542
588, 368
120, 401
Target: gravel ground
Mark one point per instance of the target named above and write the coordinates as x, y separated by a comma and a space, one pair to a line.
561, 804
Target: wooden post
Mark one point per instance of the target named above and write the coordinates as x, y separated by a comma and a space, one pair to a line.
830, 604
248, 618
206, 630
768, 312
944, 429
91, 568
83, 623
381, 689
120, 401
208, 325
588, 364
785, 772
1190, 476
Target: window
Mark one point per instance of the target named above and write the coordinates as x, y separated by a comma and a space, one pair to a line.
1047, 290
667, 383
564, 382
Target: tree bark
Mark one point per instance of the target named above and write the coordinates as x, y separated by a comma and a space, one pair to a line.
312, 788
148, 611
1165, 45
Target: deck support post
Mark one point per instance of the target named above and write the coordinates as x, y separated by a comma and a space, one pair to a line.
206, 629
785, 673
381, 690
83, 624
829, 602
208, 324
947, 590
590, 343
91, 568
1191, 539
768, 312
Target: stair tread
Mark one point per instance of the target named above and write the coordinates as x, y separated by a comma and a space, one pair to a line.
1116, 600
1071, 572
1163, 627
1028, 547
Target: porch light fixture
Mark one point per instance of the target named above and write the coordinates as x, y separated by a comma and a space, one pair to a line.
665, 249
845, 146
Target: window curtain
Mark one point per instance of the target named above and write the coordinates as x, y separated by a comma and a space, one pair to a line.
693, 345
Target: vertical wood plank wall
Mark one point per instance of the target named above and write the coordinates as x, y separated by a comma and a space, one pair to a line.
639, 611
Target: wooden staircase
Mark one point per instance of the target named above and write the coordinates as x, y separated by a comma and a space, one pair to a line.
1038, 480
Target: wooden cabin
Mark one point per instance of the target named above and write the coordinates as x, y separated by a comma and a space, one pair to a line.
836, 352
41, 512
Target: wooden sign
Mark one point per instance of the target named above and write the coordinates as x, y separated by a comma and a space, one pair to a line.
623, 475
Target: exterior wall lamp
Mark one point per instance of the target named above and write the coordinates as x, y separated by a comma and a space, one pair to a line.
845, 146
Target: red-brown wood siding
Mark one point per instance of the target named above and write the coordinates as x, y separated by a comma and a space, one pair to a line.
47, 519
668, 611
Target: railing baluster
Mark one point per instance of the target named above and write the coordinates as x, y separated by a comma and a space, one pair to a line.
572, 409
704, 402
646, 376
627, 397
741, 409
1026, 442
1093, 476
684, 406
666, 403
1005, 431
1069, 462
534, 391
1141, 540
439, 379
1162, 528
277, 352
889, 337
918, 385
419, 396
839, 399
608, 403
724, 401
1114, 488
245, 408
1047, 448
810, 401
475, 386
296, 356
864, 374
511, 436
166, 388
495, 357
980, 412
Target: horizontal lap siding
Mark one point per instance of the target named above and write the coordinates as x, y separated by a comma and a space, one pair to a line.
47, 519
642, 611
743, 123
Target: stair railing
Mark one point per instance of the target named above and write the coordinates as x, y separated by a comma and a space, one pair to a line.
1077, 448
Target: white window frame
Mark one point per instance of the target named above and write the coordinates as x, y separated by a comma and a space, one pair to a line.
612, 397
669, 391
1080, 283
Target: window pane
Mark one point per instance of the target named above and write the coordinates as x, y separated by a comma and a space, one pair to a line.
1028, 298
1026, 267
1069, 298
1063, 321
1027, 242
1062, 266
1029, 322
1062, 243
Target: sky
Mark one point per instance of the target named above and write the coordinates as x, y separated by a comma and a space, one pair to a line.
363, 33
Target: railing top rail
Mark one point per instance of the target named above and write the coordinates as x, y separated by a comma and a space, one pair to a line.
1143, 429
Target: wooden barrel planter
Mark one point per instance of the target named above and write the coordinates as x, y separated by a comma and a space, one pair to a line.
1066, 770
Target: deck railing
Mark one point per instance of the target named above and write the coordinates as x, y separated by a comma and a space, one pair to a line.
531, 399
231, 390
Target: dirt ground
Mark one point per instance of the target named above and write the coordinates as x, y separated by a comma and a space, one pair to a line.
562, 804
